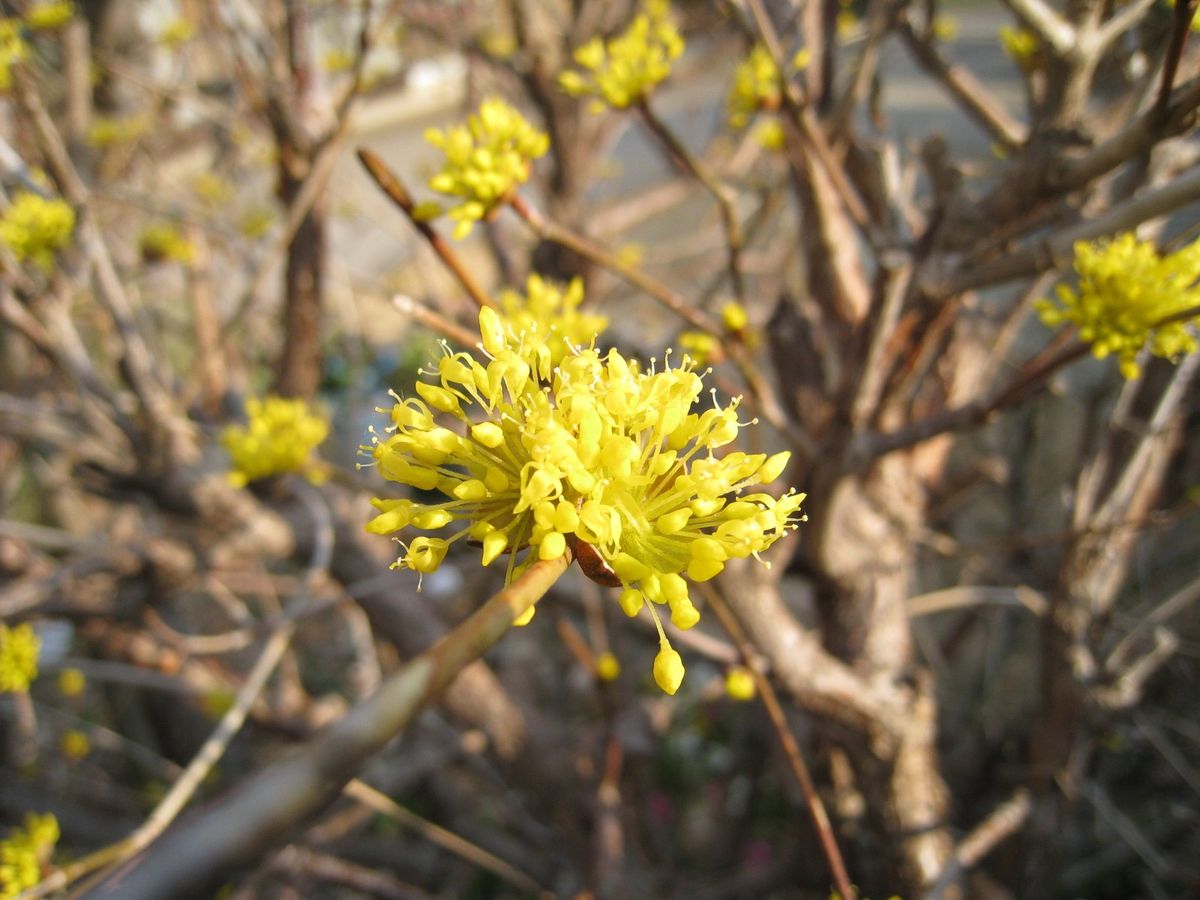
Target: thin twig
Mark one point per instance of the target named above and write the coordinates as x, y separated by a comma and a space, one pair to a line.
791, 750
391, 185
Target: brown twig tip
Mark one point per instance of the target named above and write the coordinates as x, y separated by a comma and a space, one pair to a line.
386, 179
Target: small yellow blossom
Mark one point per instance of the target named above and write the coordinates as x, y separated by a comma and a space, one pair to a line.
702, 347
734, 318
847, 23
625, 69
944, 28
739, 684
176, 33
71, 682
111, 131
550, 313
486, 160
499, 44
19, 648
217, 702
162, 241
756, 86
668, 668
1022, 45
631, 254
336, 60
770, 135
592, 451
1126, 290
211, 188
608, 667
75, 745
256, 223
13, 49
35, 228
279, 436
25, 851
45, 15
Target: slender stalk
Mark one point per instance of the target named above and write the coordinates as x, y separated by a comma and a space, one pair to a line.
695, 167
791, 750
391, 185
264, 811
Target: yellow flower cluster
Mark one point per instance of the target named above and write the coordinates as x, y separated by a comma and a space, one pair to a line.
24, 852
176, 33
756, 86
1126, 291
19, 648
625, 69
111, 131
1022, 45
162, 241
45, 15
35, 228
550, 313
279, 436
486, 159
592, 453
13, 49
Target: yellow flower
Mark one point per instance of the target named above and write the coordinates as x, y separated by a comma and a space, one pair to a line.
337, 60
550, 313
702, 347
1022, 45
945, 28
608, 667
163, 241
35, 228
279, 436
486, 160
75, 745
108, 131
1126, 289
255, 223
770, 135
593, 451
625, 69
212, 189
45, 15
739, 684
13, 49
19, 648
25, 851
176, 33
756, 86
71, 682
734, 317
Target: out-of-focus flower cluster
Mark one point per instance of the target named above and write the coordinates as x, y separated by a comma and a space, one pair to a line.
279, 436
487, 158
13, 49
550, 312
625, 69
1022, 46
593, 453
34, 228
19, 648
44, 15
162, 241
756, 87
1126, 291
25, 851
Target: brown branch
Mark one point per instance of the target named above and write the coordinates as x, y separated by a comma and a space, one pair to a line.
391, 185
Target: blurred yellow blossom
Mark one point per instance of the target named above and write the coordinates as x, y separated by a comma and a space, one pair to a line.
176, 33
739, 684
13, 49
486, 160
549, 312
279, 436
25, 851
71, 682
593, 451
701, 347
1022, 45
19, 646
608, 667
44, 15
110, 131
756, 86
75, 745
336, 60
944, 28
34, 228
624, 70
1126, 290
162, 241
211, 188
